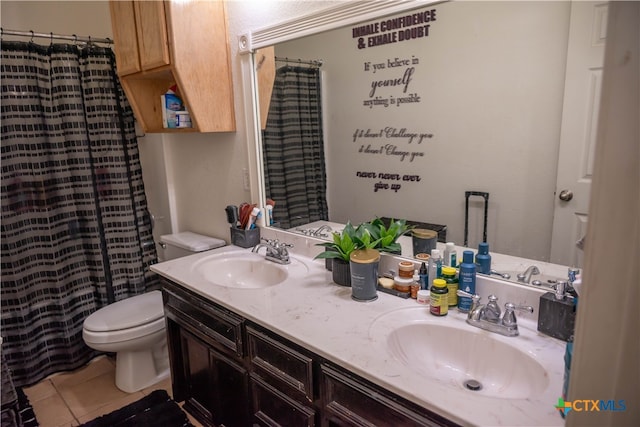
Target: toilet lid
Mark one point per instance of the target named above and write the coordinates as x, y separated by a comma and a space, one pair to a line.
192, 241
127, 313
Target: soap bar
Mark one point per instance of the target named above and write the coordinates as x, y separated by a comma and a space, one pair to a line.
556, 318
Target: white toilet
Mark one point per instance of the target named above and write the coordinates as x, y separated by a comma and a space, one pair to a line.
134, 328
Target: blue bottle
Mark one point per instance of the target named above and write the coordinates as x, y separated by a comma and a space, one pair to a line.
467, 280
424, 277
483, 259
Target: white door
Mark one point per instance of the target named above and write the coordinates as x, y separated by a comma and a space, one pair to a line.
583, 79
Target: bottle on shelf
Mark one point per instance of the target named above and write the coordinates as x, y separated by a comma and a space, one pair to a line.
449, 276
439, 304
450, 255
424, 276
435, 266
466, 280
483, 258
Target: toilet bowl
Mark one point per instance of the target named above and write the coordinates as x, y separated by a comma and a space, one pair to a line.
134, 328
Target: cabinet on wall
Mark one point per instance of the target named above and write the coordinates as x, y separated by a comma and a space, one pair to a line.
159, 44
230, 371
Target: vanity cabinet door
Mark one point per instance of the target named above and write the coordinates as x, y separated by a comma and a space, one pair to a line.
349, 401
216, 385
207, 359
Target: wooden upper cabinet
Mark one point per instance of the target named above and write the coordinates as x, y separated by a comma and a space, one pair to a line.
125, 37
159, 44
153, 43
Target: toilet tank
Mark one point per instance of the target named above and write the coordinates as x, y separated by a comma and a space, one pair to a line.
187, 243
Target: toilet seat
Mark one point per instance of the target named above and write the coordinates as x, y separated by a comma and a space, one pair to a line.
112, 337
127, 313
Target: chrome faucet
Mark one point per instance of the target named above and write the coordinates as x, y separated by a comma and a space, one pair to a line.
503, 275
488, 316
491, 310
276, 252
319, 232
526, 276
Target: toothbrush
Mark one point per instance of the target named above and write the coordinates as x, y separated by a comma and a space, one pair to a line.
268, 215
252, 218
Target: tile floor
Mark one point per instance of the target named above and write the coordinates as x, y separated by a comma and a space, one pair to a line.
72, 398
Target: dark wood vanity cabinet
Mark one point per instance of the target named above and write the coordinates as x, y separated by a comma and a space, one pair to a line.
231, 372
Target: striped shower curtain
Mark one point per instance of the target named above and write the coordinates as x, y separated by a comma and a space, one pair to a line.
75, 228
293, 148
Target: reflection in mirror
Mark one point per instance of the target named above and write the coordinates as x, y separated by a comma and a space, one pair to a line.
419, 109
293, 147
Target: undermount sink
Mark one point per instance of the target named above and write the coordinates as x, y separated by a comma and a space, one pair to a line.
246, 270
455, 354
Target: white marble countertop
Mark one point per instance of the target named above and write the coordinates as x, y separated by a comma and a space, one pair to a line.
321, 316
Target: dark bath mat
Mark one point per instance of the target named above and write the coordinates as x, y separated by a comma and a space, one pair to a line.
156, 409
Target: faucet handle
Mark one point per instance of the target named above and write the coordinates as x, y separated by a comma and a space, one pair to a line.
474, 297
509, 318
511, 307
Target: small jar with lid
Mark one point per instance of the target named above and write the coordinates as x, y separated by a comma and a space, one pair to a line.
439, 301
405, 269
423, 240
402, 284
422, 257
423, 297
449, 276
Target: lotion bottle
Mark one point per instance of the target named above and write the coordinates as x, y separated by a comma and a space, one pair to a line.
483, 259
466, 280
450, 255
435, 266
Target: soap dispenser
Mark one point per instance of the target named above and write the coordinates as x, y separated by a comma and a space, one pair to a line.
557, 314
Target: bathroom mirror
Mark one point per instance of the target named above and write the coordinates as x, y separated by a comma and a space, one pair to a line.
468, 99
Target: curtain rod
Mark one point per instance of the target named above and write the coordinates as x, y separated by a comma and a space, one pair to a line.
315, 62
52, 36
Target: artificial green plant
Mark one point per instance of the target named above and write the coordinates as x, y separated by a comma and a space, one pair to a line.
348, 240
387, 237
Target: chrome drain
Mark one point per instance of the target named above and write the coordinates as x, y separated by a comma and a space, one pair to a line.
473, 385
